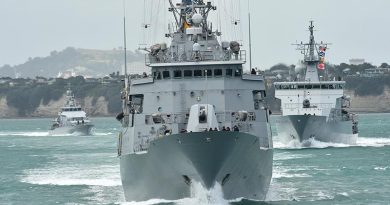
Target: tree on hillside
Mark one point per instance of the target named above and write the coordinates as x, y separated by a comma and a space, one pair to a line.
280, 66
384, 65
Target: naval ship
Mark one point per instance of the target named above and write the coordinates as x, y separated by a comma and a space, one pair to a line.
71, 119
198, 118
313, 108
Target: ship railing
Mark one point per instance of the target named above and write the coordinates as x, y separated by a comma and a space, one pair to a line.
203, 56
142, 143
312, 106
182, 118
168, 121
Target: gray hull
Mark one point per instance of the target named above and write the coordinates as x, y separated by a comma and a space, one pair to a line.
82, 130
166, 171
305, 127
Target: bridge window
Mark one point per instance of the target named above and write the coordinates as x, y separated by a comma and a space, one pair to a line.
177, 74
285, 87
137, 102
197, 73
301, 86
157, 75
293, 86
209, 73
316, 86
188, 73
325, 87
237, 72
218, 72
308, 86
229, 72
166, 74
278, 87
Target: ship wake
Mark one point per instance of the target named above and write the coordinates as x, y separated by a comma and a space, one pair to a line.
312, 143
199, 195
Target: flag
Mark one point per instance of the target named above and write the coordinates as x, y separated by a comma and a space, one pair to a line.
321, 66
186, 25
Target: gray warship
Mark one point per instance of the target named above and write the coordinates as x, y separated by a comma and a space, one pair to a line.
198, 118
71, 118
313, 108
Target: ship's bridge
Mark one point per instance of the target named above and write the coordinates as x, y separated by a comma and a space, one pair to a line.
323, 85
309, 98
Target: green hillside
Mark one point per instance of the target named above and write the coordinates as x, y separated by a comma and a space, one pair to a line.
88, 62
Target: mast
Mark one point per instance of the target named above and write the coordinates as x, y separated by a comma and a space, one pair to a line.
250, 42
124, 41
311, 42
314, 54
127, 87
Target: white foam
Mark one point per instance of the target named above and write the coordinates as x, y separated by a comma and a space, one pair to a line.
149, 202
321, 195
372, 142
277, 192
103, 133
288, 155
312, 143
28, 134
103, 195
278, 175
381, 168
199, 195
63, 173
290, 172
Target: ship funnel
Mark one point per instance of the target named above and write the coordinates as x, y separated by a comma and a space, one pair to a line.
202, 118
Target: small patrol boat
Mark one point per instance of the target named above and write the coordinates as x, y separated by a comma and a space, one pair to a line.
71, 119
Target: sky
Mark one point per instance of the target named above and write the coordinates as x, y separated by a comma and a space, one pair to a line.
356, 28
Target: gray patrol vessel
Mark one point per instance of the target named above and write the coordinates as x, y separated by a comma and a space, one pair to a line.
198, 118
314, 108
71, 119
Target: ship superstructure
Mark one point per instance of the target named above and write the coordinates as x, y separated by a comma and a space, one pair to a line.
314, 108
197, 118
71, 119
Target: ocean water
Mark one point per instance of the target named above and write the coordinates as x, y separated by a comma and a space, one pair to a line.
39, 169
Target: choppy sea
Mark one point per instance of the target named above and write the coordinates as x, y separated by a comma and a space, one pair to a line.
36, 168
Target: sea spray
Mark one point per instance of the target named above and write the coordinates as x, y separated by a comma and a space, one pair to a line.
200, 195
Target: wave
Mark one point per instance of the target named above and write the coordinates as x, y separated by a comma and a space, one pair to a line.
373, 142
103, 133
312, 143
381, 168
103, 195
287, 192
27, 134
282, 172
74, 175
199, 195
47, 134
288, 155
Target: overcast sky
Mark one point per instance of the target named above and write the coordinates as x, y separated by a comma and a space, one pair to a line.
356, 28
